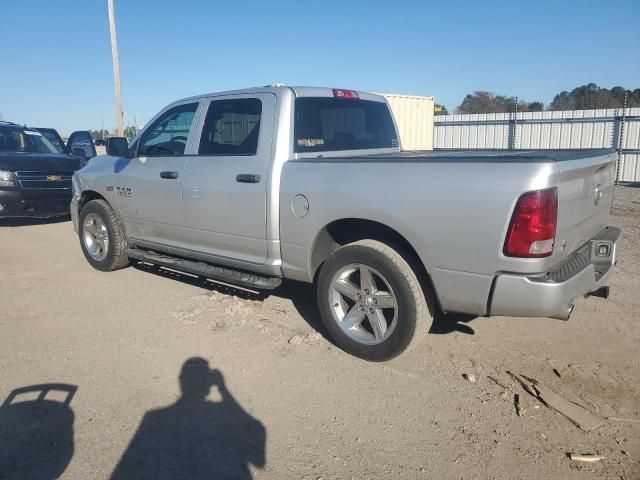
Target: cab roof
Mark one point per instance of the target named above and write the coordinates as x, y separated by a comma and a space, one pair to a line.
278, 89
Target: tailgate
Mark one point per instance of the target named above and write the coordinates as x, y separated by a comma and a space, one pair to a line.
585, 195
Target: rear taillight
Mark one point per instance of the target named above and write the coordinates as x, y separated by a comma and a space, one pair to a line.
339, 93
532, 230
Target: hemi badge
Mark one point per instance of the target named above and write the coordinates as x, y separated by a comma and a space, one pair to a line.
109, 188
54, 178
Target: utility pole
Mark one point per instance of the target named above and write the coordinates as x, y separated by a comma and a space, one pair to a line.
116, 70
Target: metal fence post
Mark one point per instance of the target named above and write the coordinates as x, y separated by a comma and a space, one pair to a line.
618, 136
615, 143
511, 139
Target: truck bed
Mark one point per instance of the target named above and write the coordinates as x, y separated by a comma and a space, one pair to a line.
453, 207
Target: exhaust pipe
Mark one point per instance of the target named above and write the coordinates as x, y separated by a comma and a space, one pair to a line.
602, 292
565, 314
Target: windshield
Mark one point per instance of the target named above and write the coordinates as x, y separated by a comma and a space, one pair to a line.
325, 124
21, 140
53, 139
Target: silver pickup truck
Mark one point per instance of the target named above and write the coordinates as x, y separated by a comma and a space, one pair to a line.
310, 184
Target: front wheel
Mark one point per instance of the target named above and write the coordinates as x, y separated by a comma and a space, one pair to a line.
371, 301
102, 237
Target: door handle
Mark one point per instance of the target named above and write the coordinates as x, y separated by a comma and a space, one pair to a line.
247, 178
169, 175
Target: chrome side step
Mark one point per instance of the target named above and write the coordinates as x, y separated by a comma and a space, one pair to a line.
202, 269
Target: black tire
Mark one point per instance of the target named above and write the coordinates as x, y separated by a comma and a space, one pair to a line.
116, 256
414, 307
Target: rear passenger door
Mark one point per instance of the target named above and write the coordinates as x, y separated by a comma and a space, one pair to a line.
225, 184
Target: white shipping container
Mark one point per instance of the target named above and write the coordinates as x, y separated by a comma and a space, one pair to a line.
414, 119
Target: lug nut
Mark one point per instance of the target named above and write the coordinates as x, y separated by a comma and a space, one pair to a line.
371, 310
366, 292
375, 301
361, 308
358, 296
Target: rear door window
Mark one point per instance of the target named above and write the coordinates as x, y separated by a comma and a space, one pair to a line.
325, 124
231, 127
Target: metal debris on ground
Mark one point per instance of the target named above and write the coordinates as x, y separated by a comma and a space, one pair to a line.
585, 457
471, 377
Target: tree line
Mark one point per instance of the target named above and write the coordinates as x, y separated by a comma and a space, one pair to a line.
103, 134
585, 97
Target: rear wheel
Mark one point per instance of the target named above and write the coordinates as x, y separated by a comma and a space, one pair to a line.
371, 301
102, 237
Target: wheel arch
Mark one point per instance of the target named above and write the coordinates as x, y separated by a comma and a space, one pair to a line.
348, 230
89, 195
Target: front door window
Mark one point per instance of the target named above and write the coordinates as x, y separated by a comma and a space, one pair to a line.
168, 135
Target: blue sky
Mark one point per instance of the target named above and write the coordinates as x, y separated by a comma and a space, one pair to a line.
56, 61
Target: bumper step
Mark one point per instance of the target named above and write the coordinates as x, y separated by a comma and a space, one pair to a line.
202, 269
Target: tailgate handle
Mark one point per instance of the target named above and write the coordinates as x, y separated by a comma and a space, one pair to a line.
247, 178
169, 175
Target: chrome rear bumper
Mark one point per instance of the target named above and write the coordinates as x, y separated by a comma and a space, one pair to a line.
552, 294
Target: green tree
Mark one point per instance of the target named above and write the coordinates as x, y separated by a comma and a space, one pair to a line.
591, 96
99, 134
440, 109
536, 107
130, 131
487, 102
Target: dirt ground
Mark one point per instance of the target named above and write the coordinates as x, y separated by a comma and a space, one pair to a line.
283, 402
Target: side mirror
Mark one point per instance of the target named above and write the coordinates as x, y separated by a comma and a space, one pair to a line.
117, 146
79, 152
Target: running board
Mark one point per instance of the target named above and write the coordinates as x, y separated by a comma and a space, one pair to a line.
202, 269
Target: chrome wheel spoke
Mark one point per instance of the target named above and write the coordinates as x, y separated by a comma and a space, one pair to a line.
353, 318
378, 323
346, 288
366, 279
383, 300
91, 228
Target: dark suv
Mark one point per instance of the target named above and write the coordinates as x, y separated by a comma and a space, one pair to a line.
35, 173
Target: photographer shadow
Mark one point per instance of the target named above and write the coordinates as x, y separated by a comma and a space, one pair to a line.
195, 438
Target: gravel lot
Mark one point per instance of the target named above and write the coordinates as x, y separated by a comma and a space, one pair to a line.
286, 403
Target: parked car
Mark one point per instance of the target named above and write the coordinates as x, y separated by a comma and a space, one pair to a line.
310, 184
80, 143
35, 177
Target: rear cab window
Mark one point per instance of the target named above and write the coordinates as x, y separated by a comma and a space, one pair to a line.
325, 124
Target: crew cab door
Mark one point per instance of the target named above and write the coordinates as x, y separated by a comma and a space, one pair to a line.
54, 137
225, 184
81, 144
149, 185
